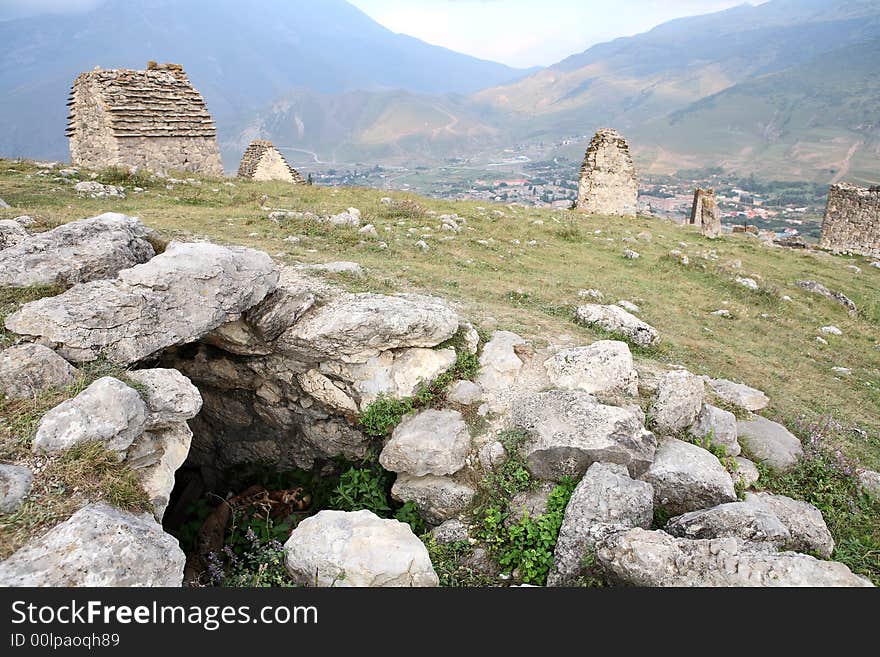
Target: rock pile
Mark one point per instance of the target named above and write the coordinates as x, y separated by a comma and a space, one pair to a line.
233, 360
852, 220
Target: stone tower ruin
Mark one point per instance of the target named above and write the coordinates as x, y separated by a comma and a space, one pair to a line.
153, 119
608, 183
705, 213
852, 220
262, 161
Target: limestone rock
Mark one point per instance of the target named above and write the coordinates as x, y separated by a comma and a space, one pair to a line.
466, 393
15, 484
653, 558
531, 503
323, 391
491, 455
687, 478
94, 189
615, 319
718, 425
869, 482
770, 442
11, 233
27, 370
749, 522
499, 363
157, 455
678, 402
78, 252
570, 430
809, 533
437, 498
175, 298
171, 398
817, 288
739, 394
396, 374
98, 546
108, 411
746, 474
451, 531
357, 549
602, 367
431, 442
356, 327
606, 495
608, 183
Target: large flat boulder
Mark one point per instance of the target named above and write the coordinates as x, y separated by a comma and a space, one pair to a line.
653, 558
78, 252
356, 549
98, 546
770, 442
606, 495
353, 328
174, 299
615, 319
570, 430
602, 367
687, 478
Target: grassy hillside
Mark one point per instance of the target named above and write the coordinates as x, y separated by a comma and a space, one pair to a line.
521, 268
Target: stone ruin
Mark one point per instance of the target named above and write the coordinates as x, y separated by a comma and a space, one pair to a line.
852, 220
262, 161
608, 183
705, 214
153, 119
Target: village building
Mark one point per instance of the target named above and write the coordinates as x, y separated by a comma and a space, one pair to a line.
852, 220
262, 161
153, 119
608, 182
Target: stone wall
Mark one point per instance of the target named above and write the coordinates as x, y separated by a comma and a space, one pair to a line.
705, 214
852, 220
153, 119
608, 183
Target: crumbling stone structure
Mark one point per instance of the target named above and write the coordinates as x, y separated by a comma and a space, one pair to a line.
705, 213
262, 161
852, 220
153, 119
608, 183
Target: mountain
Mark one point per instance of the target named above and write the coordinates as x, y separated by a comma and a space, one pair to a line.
632, 80
241, 56
819, 119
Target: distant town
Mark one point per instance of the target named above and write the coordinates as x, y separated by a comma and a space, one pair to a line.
791, 209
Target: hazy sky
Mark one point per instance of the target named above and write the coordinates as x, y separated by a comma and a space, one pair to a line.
516, 32
529, 32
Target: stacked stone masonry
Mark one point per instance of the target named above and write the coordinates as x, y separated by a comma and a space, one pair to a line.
153, 119
262, 161
608, 182
852, 220
705, 214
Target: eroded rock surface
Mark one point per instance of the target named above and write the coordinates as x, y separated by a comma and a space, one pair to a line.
615, 319
27, 370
